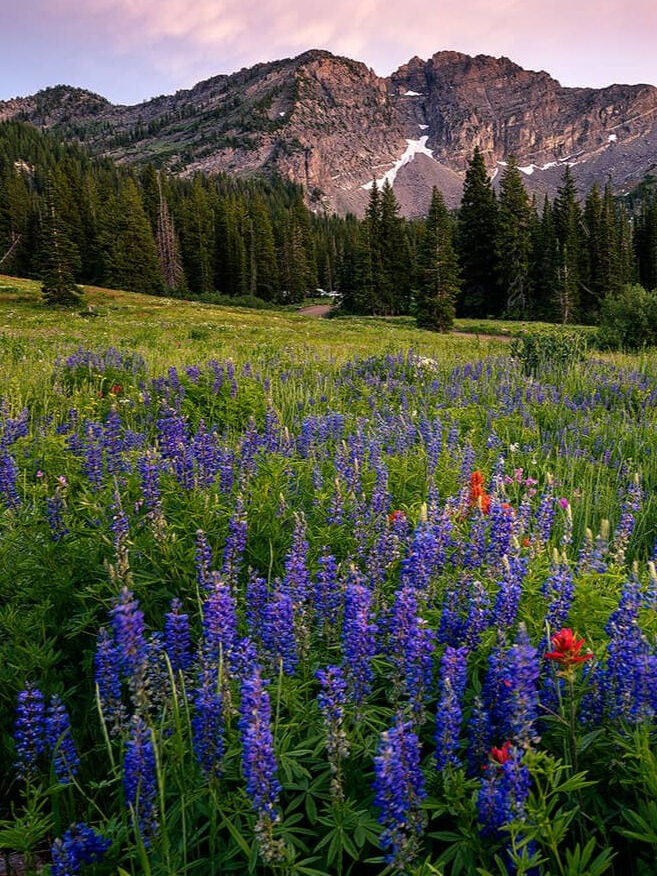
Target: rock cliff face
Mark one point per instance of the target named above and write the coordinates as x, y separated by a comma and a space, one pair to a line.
333, 125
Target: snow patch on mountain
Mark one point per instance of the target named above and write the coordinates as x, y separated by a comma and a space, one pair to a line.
414, 147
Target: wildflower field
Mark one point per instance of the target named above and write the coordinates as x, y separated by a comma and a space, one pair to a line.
320, 597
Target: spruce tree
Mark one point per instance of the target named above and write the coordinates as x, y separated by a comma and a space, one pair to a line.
513, 245
265, 281
544, 265
476, 243
646, 243
438, 270
568, 222
57, 257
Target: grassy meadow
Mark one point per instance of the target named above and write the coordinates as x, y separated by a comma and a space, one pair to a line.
325, 597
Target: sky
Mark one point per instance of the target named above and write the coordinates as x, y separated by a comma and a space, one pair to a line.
130, 50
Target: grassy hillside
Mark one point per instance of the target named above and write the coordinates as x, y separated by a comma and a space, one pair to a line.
171, 332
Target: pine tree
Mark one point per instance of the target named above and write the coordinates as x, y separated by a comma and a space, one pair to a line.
197, 237
128, 246
646, 243
265, 282
438, 270
57, 256
367, 270
476, 243
232, 265
513, 244
568, 222
544, 265
393, 293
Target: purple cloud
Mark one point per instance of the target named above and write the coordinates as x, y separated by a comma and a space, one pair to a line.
130, 49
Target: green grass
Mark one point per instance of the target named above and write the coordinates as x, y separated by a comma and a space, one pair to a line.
172, 332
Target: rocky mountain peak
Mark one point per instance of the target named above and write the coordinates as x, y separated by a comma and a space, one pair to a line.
331, 124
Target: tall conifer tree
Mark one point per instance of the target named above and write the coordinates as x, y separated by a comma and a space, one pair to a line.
513, 244
438, 271
476, 242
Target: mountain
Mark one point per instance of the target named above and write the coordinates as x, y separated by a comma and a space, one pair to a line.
331, 124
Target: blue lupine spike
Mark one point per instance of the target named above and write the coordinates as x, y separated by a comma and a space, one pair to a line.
60, 741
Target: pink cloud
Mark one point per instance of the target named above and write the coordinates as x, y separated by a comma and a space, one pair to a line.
591, 42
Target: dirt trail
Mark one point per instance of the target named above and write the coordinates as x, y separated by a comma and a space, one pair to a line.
322, 310
317, 310
482, 337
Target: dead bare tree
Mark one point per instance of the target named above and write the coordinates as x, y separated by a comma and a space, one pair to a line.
10, 251
168, 251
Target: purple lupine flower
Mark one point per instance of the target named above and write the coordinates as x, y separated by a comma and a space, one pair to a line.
480, 737
520, 691
479, 614
493, 692
8, 479
93, 453
128, 626
358, 640
259, 765
55, 508
140, 778
112, 444
560, 590
411, 645
500, 528
507, 601
176, 637
29, 731
452, 628
207, 722
108, 679
219, 621
257, 596
203, 561
448, 716
79, 845
631, 506
120, 526
278, 632
149, 473
244, 657
328, 596
235, 544
60, 741
399, 793
332, 700
297, 578
545, 515
503, 793
205, 449
629, 677
475, 547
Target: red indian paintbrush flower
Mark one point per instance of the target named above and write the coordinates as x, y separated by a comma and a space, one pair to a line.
501, 755
479, 498
567, 649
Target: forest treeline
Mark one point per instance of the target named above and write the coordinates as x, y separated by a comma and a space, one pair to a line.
501, 254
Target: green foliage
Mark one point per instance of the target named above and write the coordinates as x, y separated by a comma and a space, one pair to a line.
438, 271
552, 350
582, 819
628, 320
